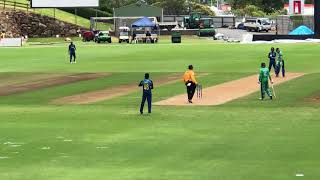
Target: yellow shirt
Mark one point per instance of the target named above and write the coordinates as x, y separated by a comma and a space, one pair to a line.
189, 76
2, 35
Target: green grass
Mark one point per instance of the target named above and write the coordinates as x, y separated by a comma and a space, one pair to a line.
245, 139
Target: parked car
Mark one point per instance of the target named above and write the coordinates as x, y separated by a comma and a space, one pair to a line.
240, 25
88, 36
257, 24
103, 36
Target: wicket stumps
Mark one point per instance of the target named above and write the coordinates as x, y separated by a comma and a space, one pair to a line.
199, 91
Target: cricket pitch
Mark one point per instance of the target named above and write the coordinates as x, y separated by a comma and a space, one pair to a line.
223, 93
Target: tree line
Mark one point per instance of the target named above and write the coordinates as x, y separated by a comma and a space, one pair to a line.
260, 7
178, 7
170, 7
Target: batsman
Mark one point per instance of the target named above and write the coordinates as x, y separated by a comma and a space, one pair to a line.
264, 77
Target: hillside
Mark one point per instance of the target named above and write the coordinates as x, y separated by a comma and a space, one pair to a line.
63, 16
17, 23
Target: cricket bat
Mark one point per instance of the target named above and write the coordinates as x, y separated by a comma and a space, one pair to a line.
273, 91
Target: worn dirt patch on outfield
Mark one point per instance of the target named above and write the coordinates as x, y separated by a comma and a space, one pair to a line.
313, 99
222, 93
105, 94
48, 82
8, 79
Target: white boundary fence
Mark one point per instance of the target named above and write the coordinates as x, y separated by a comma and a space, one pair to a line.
10, 42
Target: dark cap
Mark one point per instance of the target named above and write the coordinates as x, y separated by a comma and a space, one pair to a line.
146, 75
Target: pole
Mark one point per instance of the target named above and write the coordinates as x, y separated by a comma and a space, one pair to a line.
277, 25
114, 21
75, 15
162, 15
316, 18
54, 13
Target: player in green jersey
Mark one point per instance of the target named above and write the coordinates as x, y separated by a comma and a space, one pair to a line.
264, 77
280, 64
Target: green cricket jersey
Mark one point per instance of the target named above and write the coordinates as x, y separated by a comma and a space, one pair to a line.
279, 59
264, 75
280, 56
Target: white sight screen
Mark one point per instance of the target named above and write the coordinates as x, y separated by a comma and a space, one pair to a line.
64, 3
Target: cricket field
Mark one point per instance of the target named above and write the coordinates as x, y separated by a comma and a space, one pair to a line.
245, 139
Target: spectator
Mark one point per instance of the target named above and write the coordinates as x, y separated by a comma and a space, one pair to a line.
133, 39
2, 35
148, 37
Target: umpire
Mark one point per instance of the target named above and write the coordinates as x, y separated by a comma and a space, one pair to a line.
72, 52
147, 86
190, 82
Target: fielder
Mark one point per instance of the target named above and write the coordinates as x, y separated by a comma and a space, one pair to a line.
147, 86
272, 59
264, 77
72, 52
190, 82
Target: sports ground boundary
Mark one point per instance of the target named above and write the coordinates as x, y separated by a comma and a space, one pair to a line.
225, 92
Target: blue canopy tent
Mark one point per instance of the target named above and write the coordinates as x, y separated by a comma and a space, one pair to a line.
302, 30
145, 23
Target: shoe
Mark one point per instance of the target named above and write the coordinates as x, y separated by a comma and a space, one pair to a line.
261, 99
270, 97
190, 101
75, 62
141, 113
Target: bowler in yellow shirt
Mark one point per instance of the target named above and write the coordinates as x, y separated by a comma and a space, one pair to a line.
190, 82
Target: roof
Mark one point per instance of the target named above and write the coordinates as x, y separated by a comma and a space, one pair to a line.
136, 10
143, 22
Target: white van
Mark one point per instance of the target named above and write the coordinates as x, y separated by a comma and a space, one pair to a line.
257, 24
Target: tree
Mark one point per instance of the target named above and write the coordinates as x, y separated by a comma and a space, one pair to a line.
250, 10
176, 7
204, 10
171, 7
267, 6
270, 6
